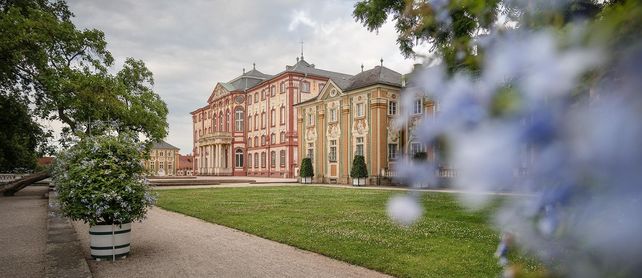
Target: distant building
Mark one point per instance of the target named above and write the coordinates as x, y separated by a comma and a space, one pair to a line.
185, 165
163, 159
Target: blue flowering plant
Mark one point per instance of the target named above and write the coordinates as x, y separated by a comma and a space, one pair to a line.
100, 179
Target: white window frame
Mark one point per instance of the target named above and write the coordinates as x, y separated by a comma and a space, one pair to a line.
332, 154
360, 107
359, 146
392, 108
418, 107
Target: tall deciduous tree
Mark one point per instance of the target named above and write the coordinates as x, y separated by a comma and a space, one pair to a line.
20, 135
63, 72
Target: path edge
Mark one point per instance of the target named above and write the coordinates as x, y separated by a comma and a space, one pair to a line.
65, 257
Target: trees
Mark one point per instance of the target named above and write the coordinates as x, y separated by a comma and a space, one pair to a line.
64, 73
359, 170
20, 135
307, 171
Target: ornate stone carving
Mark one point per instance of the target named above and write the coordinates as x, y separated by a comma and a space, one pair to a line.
360, 127
311, 135
333, 132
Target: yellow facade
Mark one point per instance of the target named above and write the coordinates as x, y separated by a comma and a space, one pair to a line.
163, 160
357, 118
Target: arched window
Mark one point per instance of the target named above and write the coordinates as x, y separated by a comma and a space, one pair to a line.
263, 120
273, 117
256, 141
273, 159
273, 138
227, 121
256, 160
239, 158
256, 122
282, 115
238, 120
282, 137
262, 140
220, 121
249, 160
249, 142
263, 158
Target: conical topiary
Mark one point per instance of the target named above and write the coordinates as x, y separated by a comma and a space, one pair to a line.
359, 170
306, 168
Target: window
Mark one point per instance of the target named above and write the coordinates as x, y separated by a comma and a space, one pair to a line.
160, 154
239, 158
263, 120
392, 152
161, 165
263, 94
249, 142
321, 85
238, 122
359, 149
310, 119
282, 137
256, 122
333, 114
262, 140
249, 160
418, 108
220, 121
227, 121
273, 90
332, 155
282, 112
311, 151
282, 157
392, 108
273, 138
256, 160
305, 87
256, 141
272, 159
360, 110
415, 148
256, 97
273, 117
283, 87
249, 122
263, 160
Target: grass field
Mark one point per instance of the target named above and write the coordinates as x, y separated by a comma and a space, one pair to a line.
351, 225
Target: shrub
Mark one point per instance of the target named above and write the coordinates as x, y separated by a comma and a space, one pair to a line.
359, 169
100, 180
306, 168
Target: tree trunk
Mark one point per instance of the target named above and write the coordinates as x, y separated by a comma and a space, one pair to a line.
11, 188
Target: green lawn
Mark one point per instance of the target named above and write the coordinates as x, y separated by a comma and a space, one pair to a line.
351, 225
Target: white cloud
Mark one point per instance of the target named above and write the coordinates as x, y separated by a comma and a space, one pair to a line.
190, 45
298, 18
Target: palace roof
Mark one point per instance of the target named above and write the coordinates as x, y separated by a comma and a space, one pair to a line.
163, 145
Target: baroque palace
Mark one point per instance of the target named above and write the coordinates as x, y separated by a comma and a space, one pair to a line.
259, 124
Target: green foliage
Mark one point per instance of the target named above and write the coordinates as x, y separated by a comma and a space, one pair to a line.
63, 71
419, 22
20, 137
351, 225
359, 169
306, 168
100, 179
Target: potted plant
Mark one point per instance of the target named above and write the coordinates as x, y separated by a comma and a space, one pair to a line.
307, 172
359, 171
100, 180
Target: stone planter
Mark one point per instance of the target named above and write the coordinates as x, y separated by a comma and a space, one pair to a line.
358, 181
306, 180
110, 241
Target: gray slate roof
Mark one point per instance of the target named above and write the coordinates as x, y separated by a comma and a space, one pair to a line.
163, 145
341, 79
376, 75
246, 80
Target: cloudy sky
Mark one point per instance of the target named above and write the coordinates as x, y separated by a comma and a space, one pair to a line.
190, 45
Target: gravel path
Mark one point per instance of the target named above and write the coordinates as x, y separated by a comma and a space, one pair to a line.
23, 233
169, 244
